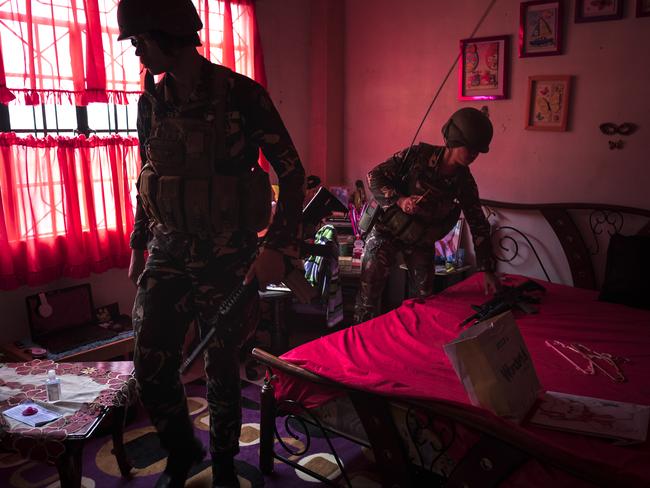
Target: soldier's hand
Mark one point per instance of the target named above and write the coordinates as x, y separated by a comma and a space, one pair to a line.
268, 267
491, 282
136, 266
408, 204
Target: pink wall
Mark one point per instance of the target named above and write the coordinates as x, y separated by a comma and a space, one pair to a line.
326, 90
304, 57
109, 287
284, 30
398, 53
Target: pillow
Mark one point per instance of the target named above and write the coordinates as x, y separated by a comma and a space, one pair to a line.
627, 272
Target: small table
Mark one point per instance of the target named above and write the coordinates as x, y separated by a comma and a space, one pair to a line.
280, 302
102, 389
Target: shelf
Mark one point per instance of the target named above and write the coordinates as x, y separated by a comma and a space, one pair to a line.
120, 348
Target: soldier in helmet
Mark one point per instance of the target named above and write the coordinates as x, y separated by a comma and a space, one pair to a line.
421, 199
201, 200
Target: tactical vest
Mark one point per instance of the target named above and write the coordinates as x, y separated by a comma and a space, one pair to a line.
413, 230
180, 185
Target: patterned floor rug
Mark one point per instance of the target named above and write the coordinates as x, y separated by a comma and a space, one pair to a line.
143, 448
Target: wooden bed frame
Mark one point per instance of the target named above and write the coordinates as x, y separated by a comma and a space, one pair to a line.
582, 231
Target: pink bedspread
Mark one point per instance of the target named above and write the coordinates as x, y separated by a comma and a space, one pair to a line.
400, 355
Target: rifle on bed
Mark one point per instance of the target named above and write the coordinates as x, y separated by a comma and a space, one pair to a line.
522, 297
319, 207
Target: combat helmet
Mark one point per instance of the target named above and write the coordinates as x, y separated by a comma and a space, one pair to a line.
174, 17
468, 127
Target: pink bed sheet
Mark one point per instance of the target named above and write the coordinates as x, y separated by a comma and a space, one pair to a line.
400, 355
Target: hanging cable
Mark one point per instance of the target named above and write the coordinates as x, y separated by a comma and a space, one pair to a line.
435, 97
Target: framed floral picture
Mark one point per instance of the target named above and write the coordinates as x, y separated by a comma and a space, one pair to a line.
596, 10
548, 102
540, 28
643, 8
483, 68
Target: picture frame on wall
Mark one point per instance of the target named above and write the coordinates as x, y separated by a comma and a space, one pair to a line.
547, 106
597, 10
484, 68
643, 8
540, 28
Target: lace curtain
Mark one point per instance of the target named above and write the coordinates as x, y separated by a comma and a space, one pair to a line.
67, 203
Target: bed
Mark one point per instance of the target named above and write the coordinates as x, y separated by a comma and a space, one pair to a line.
388, 385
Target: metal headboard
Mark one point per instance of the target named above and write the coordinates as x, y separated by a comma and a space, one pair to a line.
563, 220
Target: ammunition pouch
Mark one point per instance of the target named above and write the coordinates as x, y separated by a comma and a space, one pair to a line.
183, 146
148, 190
180, 185
207, 205
412, 230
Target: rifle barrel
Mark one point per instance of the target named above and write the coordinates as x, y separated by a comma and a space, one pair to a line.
198, 350
230, 304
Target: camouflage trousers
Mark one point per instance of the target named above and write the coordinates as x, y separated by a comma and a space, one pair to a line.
379, 255
185, 279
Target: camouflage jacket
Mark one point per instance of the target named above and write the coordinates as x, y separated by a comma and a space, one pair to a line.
252, 123
440, 193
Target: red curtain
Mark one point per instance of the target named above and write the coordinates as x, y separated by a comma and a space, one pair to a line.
53, 51
233, 40
67, 51
66, 206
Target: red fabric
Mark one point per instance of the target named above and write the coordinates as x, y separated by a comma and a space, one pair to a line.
236, 39
258, 65
5, 95
66, 204
400, 355
46, 42
66, 207
95, 68
258, 57
228, 39
57, 52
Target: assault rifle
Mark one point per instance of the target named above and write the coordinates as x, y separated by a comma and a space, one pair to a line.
522, 296
319, 207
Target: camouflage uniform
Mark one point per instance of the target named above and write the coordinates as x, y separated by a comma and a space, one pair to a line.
187, 276
414, 236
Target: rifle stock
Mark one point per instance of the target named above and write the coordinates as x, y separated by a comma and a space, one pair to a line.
507, 299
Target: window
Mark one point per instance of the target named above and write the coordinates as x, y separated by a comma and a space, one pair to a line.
66, 202
230, 43
96, 118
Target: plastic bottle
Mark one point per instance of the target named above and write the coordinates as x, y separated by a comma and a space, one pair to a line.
53, 386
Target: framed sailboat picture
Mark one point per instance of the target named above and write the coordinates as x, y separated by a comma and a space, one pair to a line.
540, 28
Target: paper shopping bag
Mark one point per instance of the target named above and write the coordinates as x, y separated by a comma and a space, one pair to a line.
495, 367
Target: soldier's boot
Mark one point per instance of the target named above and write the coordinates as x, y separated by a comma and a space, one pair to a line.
224, 474
179, 463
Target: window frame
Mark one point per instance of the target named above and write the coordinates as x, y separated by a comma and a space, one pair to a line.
83, 126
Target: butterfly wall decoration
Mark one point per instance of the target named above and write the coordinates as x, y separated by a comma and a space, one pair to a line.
625, 129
